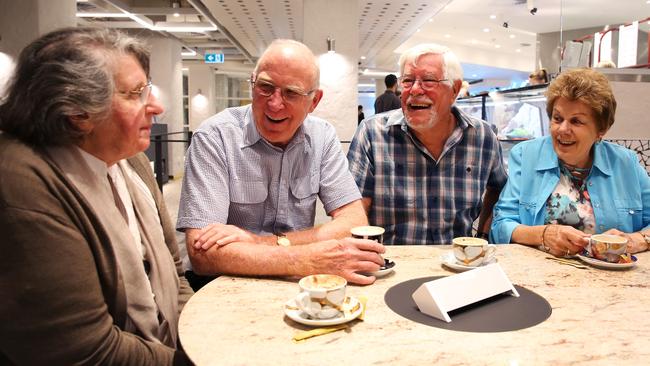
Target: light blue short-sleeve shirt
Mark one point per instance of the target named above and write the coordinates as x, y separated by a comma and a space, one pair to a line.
234, 176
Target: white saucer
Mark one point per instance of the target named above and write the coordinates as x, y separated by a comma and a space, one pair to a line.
388, 267
450, 261
291, 310
606, 265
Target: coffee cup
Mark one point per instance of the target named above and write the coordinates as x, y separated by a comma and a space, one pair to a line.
607, 247
321, 295
473, 252
375, 233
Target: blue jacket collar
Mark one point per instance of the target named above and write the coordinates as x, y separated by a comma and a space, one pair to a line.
548, 158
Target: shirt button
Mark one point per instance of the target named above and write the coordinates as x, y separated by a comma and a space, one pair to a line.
631, 212
590, 184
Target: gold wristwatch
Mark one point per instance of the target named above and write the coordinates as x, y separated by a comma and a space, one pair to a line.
282, 240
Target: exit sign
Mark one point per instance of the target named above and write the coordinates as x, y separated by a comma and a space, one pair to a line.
214, 58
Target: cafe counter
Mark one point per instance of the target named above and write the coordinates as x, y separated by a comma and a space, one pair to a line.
599, 317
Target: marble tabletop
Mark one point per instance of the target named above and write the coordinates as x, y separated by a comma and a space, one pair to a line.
600, 317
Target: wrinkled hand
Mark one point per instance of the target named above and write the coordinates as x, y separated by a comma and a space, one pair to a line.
635, 241
222, 234
346, 258
565, 240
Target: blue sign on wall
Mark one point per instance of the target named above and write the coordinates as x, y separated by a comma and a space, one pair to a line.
214, 58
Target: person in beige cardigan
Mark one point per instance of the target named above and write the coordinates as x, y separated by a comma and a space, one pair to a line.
90, 268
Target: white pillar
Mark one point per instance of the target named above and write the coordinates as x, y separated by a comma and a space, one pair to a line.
201, 94
23, 21
167, 75
338, 20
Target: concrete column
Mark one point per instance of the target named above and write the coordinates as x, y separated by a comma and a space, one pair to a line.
167, 76
339, 71
201, 93
23, 21
221, 92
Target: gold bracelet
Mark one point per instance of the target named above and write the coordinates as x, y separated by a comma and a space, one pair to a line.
544, 247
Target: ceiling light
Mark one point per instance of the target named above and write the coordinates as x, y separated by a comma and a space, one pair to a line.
497, 46
418, 30
474, 41
486, 30
176, 5
474, 75
447, 36
431, 19
512, 36
518, 50
493, 16
102, 15
188, 52
363, 57
331, 44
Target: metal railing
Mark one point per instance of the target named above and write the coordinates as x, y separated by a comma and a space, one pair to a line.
158, 141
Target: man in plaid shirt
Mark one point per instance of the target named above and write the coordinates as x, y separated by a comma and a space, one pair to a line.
427, 171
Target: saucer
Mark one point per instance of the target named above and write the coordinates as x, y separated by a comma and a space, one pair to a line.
384, 270
606, 265
291, 310
449, 260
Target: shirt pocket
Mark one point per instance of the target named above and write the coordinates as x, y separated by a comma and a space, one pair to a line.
629, 213
247, 200
304, 191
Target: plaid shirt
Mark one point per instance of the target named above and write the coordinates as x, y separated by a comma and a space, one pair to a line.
417, 199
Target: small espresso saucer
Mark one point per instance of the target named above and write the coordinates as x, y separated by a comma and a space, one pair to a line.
606, 265
449, 260
291, 310
384, 270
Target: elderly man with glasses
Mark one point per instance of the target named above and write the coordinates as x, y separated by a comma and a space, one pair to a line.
427, 171
252, 177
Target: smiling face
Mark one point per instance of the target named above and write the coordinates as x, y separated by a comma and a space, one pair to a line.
574, 131
127, 129
285, 66
423, 109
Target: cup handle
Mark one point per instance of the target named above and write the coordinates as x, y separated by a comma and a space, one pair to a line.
300, 301
490, 252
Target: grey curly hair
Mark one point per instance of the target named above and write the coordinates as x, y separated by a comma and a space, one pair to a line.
65, 74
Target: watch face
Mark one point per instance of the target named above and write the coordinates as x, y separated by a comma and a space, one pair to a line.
283, 241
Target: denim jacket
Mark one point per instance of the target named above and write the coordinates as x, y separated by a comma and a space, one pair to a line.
619, 188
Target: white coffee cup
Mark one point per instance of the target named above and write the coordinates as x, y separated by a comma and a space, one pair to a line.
607, 247
473, 252
375, 233
321, 295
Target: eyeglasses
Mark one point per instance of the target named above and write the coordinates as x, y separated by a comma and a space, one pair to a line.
142, 93
289, 95
426, 84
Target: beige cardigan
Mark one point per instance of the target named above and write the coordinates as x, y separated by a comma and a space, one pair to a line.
63, 299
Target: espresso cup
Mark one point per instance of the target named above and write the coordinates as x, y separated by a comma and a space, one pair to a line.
607, 247
375, 233
473, 252
321, 295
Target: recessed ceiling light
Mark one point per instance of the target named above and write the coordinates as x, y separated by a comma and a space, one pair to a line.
363, 57
518, 50
486, 30
512, 36
474, 41
418, 30
474, 75
447, 36
493, 16
497, 46
430, 20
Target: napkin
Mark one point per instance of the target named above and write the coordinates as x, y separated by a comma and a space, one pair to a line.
304, 335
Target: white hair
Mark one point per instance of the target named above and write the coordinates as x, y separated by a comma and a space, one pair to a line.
451, 68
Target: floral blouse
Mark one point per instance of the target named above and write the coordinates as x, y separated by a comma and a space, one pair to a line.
569, 204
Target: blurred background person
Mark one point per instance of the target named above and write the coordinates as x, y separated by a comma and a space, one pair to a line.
564, 187
389, 100
538, 77
607, 64
90, 269
360, 116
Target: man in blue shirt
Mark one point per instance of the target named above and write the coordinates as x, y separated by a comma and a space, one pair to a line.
427, 171
253, 174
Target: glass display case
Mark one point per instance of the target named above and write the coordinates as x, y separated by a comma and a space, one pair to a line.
515, 115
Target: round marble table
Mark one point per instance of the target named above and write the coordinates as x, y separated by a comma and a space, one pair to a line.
599, 317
